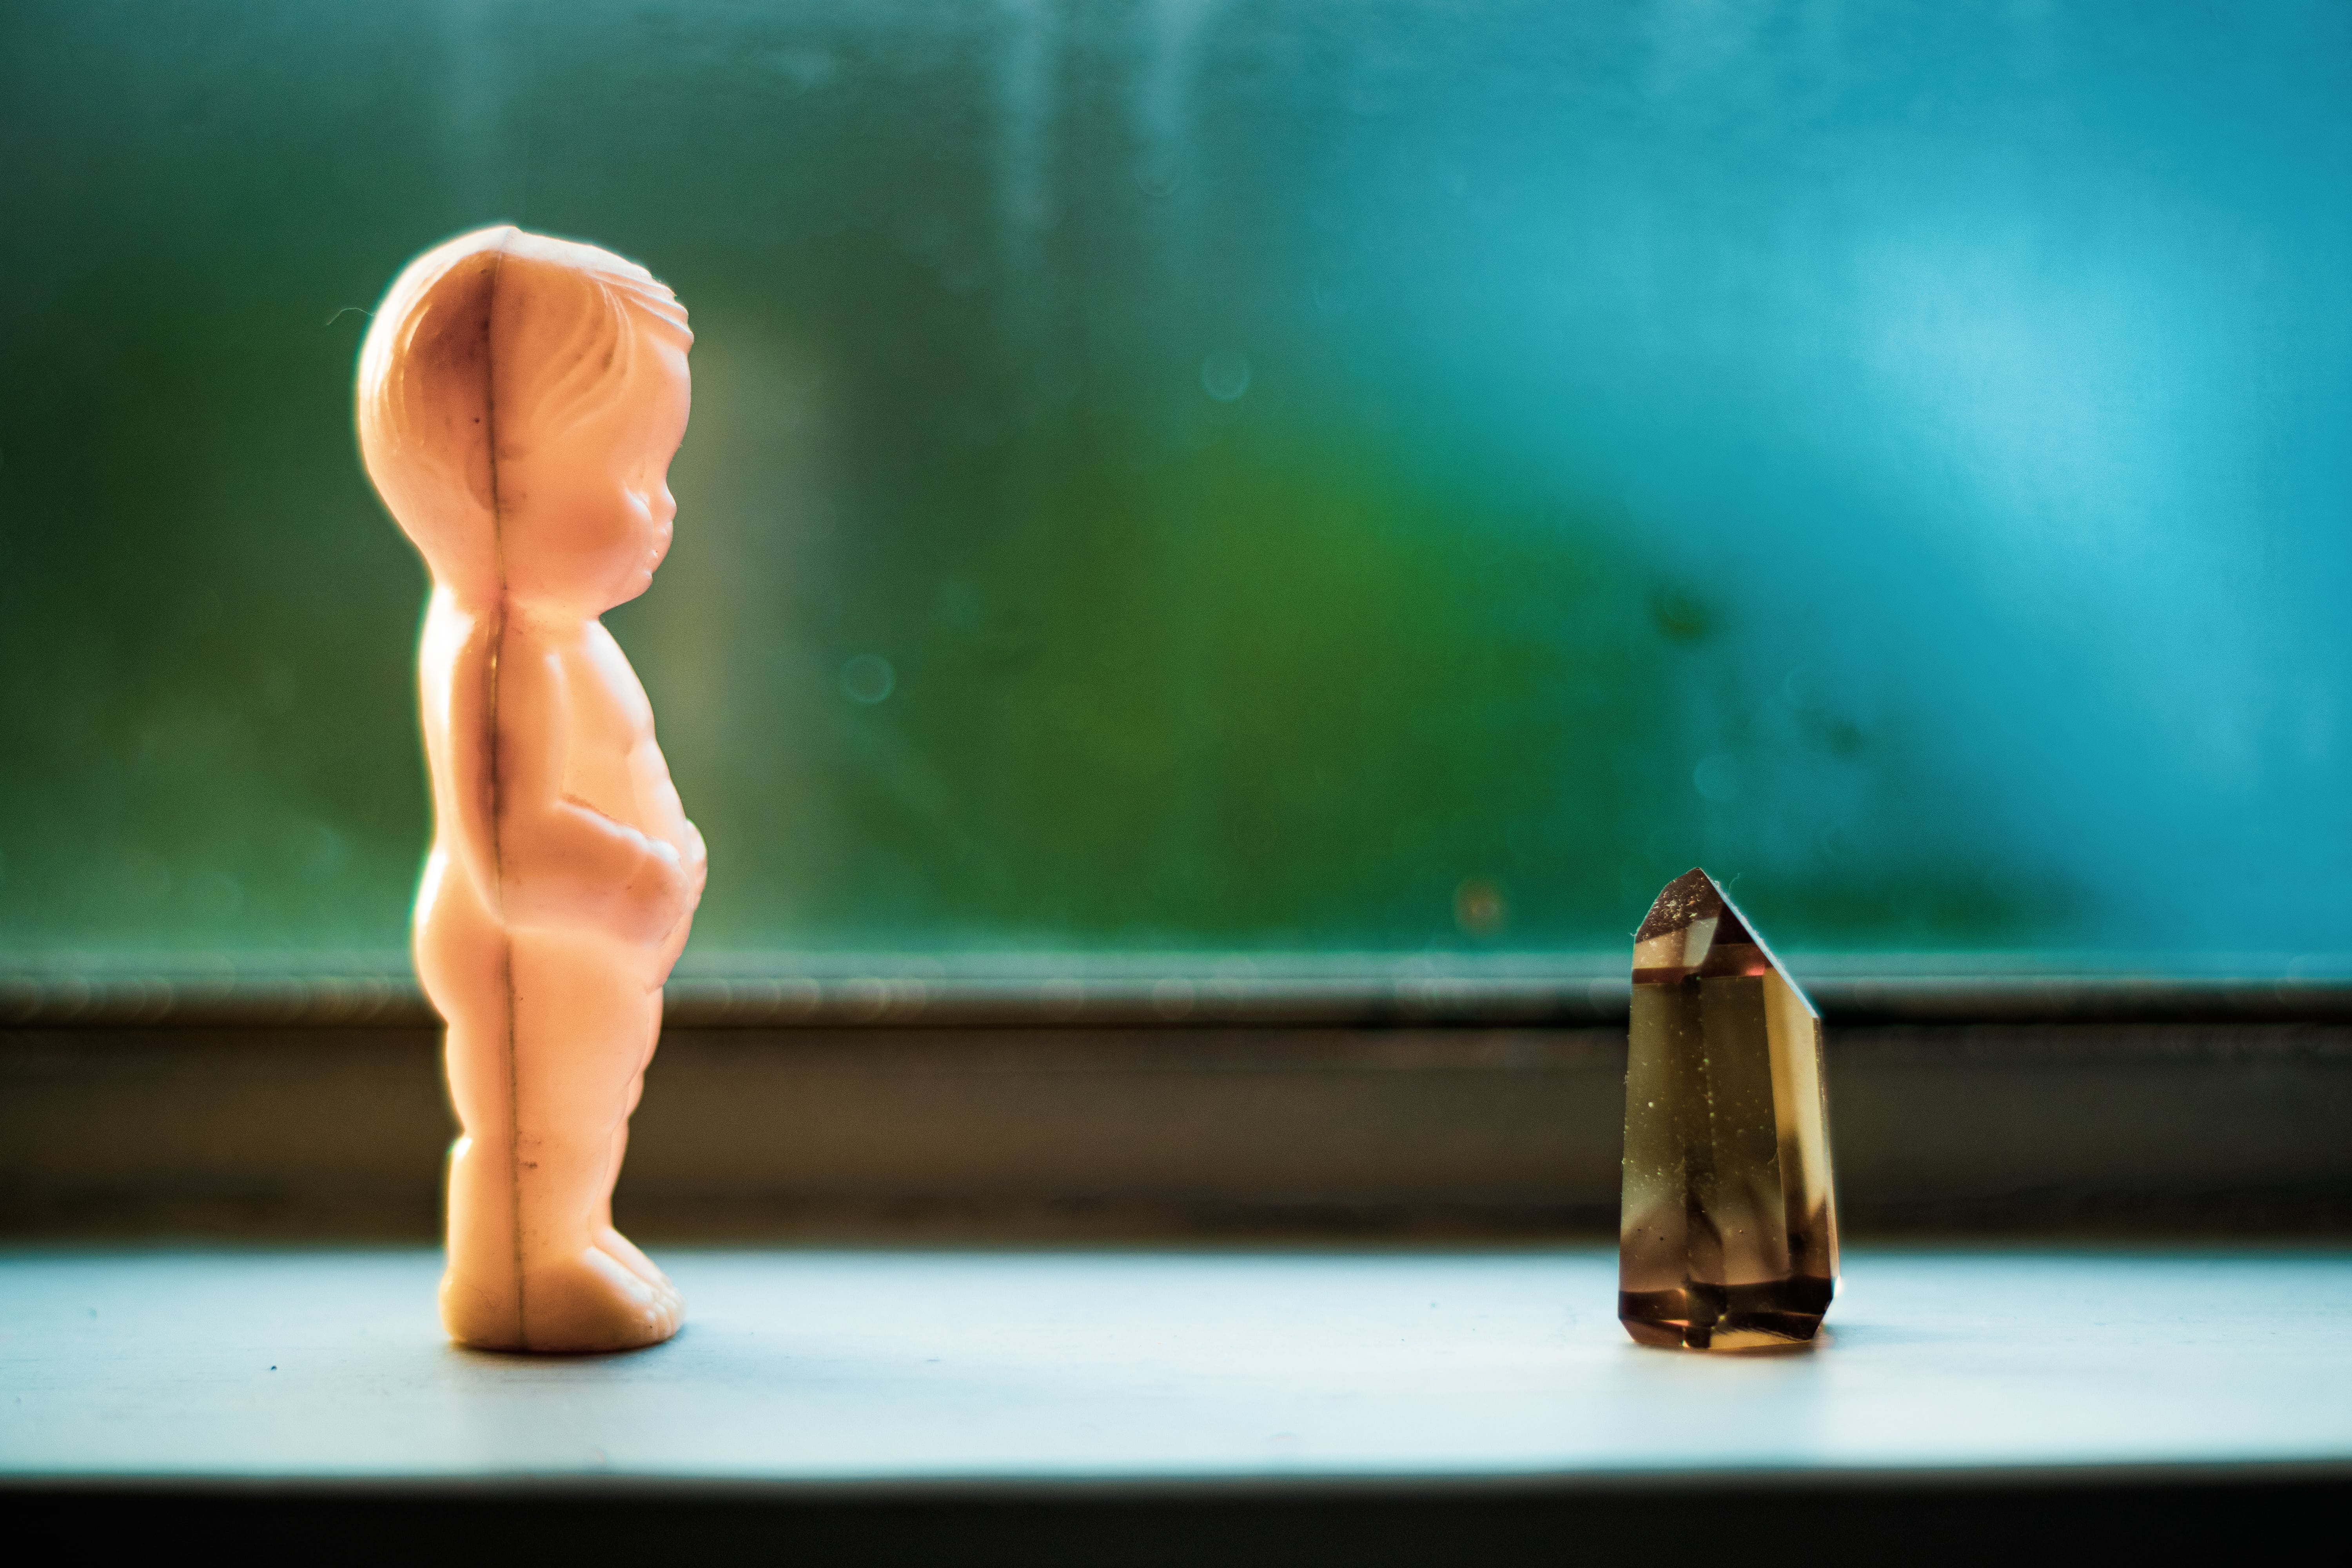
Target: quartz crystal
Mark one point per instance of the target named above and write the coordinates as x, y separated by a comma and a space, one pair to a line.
1728, 1236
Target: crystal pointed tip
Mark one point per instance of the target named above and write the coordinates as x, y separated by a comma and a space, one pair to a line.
1693, 896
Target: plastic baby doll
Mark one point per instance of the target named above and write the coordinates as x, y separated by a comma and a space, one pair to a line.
519, 399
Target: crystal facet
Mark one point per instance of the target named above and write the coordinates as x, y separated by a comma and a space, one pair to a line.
1728, 1236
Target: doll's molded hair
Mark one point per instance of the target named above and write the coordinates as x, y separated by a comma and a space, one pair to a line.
483, 344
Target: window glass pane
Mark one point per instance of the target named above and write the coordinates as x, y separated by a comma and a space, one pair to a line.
1272, 474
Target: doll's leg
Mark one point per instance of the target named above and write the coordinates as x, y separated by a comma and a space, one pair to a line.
611, 1240
481, 1303
582, 1017
461, 956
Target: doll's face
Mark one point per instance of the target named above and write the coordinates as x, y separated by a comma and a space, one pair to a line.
585, 510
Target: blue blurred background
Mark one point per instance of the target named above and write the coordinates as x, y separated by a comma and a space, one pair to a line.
1387, 477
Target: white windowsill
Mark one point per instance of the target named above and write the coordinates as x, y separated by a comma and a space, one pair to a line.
823, 1367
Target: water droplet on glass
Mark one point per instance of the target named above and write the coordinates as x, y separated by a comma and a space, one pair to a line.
867, 678
1680, 616
1479, 907
1225, 374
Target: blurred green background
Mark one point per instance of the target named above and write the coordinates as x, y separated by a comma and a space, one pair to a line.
1370, 478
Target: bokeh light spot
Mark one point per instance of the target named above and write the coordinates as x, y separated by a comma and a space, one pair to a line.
868, 679
1225, 374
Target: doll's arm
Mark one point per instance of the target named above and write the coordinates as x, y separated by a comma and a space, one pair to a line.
695, 860
458, 661
563, 862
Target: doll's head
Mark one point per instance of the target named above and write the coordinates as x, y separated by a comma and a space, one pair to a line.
519, 400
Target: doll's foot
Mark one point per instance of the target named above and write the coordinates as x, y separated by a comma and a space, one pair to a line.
634, 1261
480, 1314
594, 1301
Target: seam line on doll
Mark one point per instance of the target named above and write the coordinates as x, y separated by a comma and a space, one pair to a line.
497, 853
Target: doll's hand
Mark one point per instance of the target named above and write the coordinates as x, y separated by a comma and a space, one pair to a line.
696, 858
658, 898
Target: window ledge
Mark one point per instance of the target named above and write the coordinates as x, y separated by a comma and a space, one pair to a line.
854, 1378
897, 990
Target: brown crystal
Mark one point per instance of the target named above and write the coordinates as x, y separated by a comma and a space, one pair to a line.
1727, 1239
